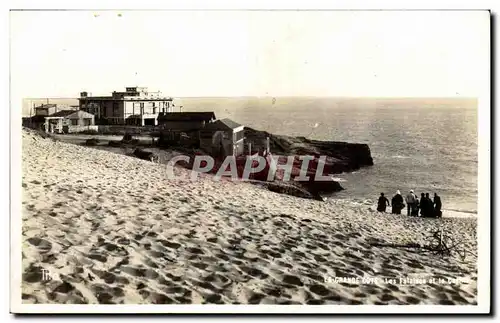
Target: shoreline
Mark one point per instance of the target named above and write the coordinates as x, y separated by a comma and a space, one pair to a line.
79, 139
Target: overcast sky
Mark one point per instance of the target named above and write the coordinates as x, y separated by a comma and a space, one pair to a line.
244, 53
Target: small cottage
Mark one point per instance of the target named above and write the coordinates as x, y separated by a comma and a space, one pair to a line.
222, 138
75, 118
68, 121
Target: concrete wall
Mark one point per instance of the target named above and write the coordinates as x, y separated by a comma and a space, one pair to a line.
182, 125
221, 142
45, 111
122, 129
74, 129
81, 118
240, 148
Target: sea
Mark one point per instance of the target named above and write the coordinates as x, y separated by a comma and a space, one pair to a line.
428, 145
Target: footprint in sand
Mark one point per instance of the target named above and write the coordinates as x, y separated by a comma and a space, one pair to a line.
48, 258
156, 254
65, 292
104, 298
29, 299
109, 278
411, 300
255, 297
254, 272
33, 274
171, 245
157, 298
446, 302
314, 277
387, 297
292, 280
315, 302
140, 272
319, 290
213, 299
115, 250
414, 264
208, 286
196, 251
41, 244
97, 257
275, 292
174, 278
308, 265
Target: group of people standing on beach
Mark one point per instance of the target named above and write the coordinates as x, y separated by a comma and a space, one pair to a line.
428, 208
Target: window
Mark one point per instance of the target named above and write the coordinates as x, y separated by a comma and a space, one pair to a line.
74, 122
115, 109
238, 135
154, 109
154, 105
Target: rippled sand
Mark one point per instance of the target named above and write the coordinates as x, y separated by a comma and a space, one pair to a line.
114, 229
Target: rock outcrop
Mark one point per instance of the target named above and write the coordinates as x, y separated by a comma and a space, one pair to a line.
339, 157
146, 155
91, 142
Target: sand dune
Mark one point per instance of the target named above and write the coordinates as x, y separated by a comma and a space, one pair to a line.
114, 229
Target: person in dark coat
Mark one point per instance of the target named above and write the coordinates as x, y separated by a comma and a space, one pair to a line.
416, 207
397, 203
423, 205
383, 202
437, 206
430, 206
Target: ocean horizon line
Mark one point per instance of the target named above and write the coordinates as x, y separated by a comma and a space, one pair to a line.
291, 96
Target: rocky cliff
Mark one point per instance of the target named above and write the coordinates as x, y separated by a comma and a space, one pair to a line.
340, 156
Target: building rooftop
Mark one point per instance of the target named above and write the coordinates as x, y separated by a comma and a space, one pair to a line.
139, 93
45, 106
67, 113
187, 116
224, 124
63, 113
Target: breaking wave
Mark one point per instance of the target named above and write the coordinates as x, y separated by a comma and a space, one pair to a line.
461, 211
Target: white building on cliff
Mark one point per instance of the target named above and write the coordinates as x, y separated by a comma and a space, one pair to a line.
135, 106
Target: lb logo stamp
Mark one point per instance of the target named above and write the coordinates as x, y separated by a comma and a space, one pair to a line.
47, 275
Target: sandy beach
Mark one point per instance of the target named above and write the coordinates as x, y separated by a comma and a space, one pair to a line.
110, 228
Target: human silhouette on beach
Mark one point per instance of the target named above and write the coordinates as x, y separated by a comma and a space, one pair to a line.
411, 202
437, 206
383, 202
430, 206
397, 203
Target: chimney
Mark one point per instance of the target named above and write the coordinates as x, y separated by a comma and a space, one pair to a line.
268, 149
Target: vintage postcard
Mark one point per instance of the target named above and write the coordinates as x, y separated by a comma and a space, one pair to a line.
237, 161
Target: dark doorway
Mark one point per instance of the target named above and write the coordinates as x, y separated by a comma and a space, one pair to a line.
149, 122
